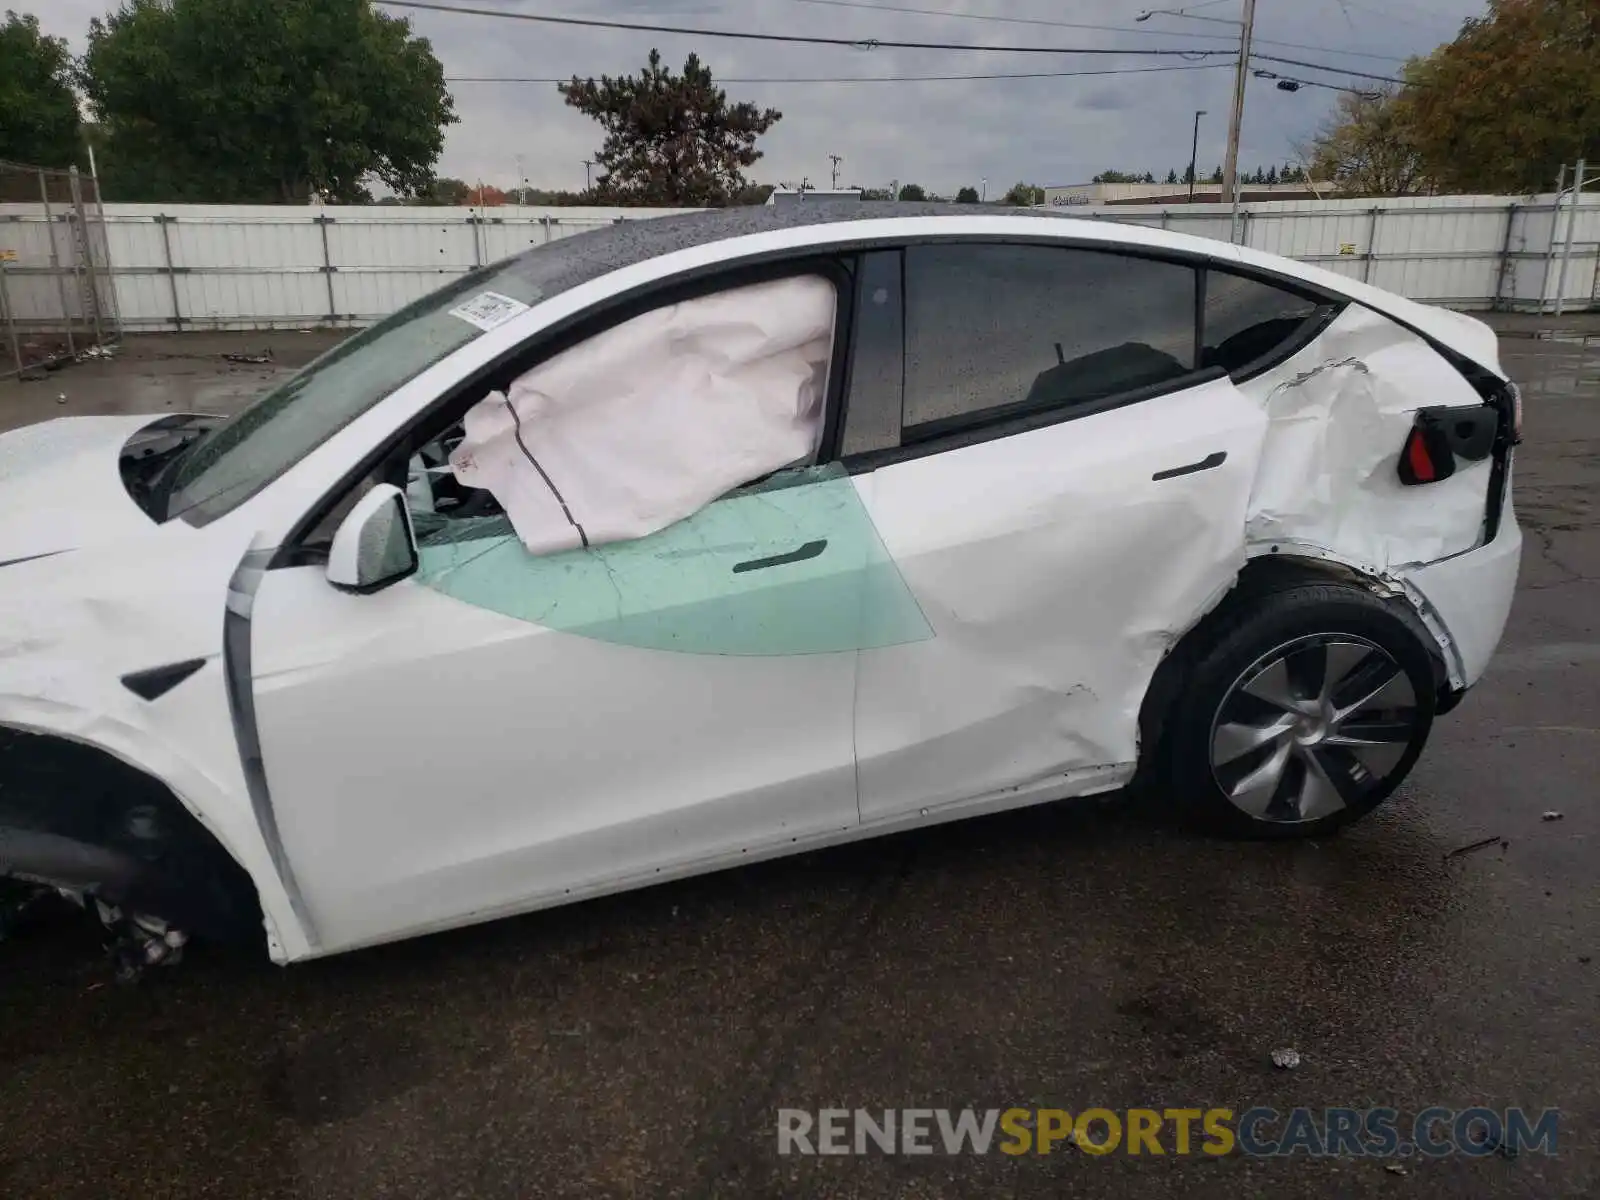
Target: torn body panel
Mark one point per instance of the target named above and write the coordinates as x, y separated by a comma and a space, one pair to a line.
1338, 415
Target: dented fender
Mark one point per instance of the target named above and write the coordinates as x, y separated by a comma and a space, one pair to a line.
75, 623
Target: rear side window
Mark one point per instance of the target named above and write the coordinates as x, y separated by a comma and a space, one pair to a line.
1247, 321
996, 330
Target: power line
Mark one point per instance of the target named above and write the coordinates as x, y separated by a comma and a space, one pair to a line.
1388, 14
1297, 84
864, 5
801, 39
1295, 62
870, 78
867, 43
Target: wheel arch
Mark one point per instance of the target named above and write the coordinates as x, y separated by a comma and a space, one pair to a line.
69, 803
1272, 570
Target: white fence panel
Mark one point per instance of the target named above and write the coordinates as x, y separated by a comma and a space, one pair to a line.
263, 266
1469, 252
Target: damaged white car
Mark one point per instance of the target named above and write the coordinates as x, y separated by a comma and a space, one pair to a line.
700, 540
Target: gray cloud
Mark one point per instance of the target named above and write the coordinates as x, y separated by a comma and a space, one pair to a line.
944, 134
1109, 99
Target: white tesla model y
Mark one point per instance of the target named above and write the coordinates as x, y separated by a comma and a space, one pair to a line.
699, 540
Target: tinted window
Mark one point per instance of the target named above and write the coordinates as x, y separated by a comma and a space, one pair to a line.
1025, 327
872, 409
1246, 320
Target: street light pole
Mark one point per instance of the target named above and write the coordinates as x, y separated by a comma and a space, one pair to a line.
1246, 27
1194, 152
1230, 168
587, 163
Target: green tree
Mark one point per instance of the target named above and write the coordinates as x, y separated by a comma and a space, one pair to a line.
1369, 147
1516, 95
1172, 177
753, 193
967, 195
912, 191
445, 191
669, 139
1023, 195
38, 110
241, 101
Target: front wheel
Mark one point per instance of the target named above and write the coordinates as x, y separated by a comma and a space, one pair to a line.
1304, 710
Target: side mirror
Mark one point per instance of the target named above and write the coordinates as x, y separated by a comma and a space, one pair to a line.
374, 546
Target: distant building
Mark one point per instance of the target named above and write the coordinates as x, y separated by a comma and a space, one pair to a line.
1074, 194
783, 195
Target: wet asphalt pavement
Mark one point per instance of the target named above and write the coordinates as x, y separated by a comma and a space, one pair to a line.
1075, 955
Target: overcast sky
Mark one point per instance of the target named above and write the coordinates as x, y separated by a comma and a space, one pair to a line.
944, 134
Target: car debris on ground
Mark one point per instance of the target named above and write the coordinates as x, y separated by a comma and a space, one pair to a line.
1286, 1059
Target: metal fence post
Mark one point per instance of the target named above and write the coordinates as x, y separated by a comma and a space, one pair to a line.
545, 221
1372, 243
85, 252
6, 317
477, 246
55, 262
323, 221
1506, 269
172, 272
105, 233
1572, 222
1550, 249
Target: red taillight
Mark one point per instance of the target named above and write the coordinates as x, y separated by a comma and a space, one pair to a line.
1419, 464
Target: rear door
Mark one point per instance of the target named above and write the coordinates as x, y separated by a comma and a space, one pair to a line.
1068, 496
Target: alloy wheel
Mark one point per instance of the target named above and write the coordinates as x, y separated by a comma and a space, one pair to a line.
1312, 727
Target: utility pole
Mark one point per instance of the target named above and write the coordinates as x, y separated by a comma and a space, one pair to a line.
1194, 151
983, 190
1230, 168
835, 160
587, 163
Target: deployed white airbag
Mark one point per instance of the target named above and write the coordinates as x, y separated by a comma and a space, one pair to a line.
647, 422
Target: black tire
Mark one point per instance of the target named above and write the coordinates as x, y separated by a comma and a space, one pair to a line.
1268, 644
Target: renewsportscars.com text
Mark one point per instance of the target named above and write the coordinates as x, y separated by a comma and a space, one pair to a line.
1260, 1132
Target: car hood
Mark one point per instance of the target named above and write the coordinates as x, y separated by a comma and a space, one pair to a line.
61, 486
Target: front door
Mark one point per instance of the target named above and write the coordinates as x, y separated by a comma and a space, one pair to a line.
506, 729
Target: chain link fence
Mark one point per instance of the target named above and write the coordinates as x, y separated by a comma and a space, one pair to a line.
57, 299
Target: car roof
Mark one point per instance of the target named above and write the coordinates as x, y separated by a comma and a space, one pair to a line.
569, 262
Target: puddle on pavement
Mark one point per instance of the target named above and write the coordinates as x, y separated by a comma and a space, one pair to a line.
1553, 363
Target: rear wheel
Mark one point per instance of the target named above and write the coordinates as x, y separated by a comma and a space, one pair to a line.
1303, 710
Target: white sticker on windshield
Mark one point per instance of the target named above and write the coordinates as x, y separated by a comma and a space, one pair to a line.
488, 309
